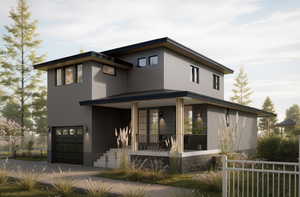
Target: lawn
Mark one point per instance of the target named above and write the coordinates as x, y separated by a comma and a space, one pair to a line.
14, 190
210, 183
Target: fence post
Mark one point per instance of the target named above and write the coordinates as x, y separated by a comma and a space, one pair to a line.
224, 172
299, 166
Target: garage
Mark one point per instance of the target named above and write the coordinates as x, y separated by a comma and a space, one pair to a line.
67, 146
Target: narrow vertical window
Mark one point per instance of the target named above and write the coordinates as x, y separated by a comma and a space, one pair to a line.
194, 74
216, 82
79, 73
58, 77
69, 75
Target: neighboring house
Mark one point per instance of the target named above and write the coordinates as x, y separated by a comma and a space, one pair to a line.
160, 88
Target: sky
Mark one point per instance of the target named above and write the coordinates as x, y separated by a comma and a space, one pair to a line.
263, 36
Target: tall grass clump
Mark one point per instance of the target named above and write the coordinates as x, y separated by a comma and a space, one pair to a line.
211, 181
140, 192
123, 143
28, 180
95, 189
64, 186
4, 173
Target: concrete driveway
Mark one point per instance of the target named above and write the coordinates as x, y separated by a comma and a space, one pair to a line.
79, 174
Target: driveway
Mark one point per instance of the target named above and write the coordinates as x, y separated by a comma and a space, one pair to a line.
79, 174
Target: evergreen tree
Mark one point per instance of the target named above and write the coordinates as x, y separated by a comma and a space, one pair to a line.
241, 90
17, 74
293, 113
268, 123
39, 112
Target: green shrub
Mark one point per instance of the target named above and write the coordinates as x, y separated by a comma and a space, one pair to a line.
277, 148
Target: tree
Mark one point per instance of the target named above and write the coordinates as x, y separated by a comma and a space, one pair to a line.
241, 91
293, 113
12, 131
39, 111
268, 123
17, 73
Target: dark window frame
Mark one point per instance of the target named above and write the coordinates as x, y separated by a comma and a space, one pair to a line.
77, 73
193, 70
115, 70
63, 75
216, 82
138, 62
149, 62
74, 68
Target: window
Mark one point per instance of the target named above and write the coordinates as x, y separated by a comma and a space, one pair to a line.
79, 73
69, 75
153, 60
227, 118
58, 77
216, 82
142, 62
195, 74
109, 70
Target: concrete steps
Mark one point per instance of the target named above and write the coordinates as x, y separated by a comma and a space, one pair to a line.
111, 158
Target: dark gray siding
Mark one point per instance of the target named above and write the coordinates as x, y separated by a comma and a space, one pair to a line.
64, 109
105, 121
146, 78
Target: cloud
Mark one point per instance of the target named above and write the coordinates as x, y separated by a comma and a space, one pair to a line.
267, 44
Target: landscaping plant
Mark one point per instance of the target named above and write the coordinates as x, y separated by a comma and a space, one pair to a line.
140, 192
94, 189
64, 186
28, 180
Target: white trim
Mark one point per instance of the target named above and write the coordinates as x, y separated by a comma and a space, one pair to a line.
167, 153
201, 152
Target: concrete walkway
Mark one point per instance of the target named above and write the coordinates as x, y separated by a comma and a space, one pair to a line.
79, 174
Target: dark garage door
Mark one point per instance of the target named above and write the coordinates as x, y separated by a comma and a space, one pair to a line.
68, 145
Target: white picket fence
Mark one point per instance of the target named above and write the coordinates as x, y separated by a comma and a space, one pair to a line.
246, 178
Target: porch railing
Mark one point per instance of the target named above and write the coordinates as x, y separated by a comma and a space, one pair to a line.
154, 142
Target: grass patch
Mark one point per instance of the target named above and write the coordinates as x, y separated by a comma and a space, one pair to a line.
31, 158
14, 190
210, 183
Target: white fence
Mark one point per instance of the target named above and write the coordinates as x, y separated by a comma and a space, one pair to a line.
245, 178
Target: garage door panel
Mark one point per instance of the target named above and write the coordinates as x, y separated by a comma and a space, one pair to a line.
68, 145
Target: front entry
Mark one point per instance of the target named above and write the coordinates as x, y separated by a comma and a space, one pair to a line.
67, 145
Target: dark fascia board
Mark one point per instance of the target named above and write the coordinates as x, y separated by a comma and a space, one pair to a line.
175, 94
169, 43
87, 56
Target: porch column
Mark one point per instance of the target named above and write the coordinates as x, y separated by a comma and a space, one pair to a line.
134, 126
180, 124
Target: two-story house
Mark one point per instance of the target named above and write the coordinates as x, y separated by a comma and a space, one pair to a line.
158, 88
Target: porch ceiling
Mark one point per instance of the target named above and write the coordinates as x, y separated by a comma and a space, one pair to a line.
168, 98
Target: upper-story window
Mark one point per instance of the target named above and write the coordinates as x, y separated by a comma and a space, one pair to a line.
109, 70
69, 75
59, 80
153, 60
79, 73
194, 74
142, 62
216, 82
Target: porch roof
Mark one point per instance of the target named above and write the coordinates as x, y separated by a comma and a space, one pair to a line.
172, 94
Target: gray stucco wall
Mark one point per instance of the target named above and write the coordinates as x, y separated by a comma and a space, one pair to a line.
64, 109
106, 85
247, 126
177, 72
146, 78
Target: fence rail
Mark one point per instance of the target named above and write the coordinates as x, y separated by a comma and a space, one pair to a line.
250, 178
